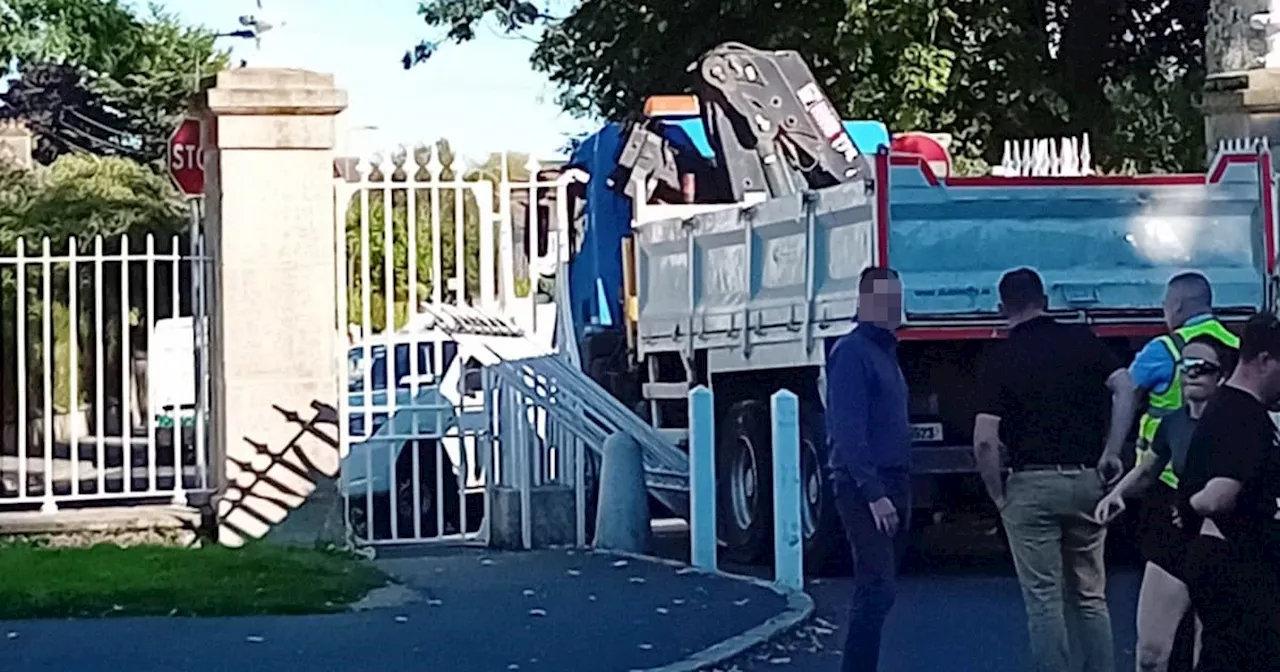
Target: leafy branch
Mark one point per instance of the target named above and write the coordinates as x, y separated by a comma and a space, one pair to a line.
461, 17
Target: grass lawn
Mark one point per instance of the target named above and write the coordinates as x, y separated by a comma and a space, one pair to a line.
108, 580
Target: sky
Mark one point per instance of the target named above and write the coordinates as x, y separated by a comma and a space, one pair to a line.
482, 95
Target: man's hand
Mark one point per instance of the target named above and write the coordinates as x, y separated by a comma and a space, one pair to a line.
1110, 468
1111, 506
886, 516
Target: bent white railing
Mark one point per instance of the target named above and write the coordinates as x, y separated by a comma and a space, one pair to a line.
534, 446
579, 402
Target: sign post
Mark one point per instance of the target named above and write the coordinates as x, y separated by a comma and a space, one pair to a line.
186, 169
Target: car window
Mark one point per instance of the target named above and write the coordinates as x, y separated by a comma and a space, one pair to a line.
355, 372
472, 377
374, 377
404, 361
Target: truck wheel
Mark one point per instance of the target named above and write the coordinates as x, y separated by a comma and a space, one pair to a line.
744, 480
825, 547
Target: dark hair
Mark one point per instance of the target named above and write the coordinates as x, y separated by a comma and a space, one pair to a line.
1227, 355
1194, 287
1261, 335
866, 281
1021, 289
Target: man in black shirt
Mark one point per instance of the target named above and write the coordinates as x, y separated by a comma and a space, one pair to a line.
1056, 398
1233, 567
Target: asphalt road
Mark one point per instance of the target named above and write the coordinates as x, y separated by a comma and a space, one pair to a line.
958, 609
480, 612
959, 621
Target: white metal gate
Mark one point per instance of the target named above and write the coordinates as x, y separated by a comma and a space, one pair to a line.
104, 378
424, 232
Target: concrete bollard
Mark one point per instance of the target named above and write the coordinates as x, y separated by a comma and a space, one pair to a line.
622, 514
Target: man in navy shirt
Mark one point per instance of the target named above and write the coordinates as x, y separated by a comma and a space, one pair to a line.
870, 434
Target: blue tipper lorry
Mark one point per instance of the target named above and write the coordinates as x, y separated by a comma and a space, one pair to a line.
720, 239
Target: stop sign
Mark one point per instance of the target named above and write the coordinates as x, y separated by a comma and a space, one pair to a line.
186, 157
925, 145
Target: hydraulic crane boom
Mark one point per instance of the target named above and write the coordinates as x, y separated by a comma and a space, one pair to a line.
772, 128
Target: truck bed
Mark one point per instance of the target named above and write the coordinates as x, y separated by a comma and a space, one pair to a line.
1100, 244
779, 275
755, 274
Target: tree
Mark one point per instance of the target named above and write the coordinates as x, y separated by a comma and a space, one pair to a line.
93, 76
55, 102
982, 70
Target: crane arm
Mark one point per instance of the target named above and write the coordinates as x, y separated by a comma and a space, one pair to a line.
770, 124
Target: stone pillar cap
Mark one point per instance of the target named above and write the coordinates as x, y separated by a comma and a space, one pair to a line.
271, 91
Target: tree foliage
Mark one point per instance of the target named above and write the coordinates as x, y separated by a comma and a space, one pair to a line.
91, 75
85, 196
983, 70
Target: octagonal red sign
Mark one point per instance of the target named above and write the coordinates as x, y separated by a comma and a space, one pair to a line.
927, 146
186, 157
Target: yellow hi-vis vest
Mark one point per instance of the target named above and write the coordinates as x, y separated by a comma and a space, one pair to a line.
1164, 403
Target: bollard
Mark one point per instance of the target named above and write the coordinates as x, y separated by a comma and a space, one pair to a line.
622, 514
788, 546
702, 479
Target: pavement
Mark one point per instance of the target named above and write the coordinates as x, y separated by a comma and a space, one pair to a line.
467, 609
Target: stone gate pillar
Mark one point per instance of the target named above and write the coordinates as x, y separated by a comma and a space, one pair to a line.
269, 221
1242, 92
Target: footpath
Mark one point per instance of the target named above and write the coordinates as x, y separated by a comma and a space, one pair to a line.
457, 610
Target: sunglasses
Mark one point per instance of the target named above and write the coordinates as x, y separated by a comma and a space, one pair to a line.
1197, 368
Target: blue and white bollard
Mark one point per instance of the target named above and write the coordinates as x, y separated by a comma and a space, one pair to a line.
788, 546
702, 478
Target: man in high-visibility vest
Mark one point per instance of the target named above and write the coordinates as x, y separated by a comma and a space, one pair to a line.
1188, 310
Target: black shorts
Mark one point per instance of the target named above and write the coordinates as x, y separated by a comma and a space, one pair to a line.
1164, 543
1236, 599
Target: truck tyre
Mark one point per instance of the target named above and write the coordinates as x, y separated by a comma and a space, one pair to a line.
744, 479
826, 549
